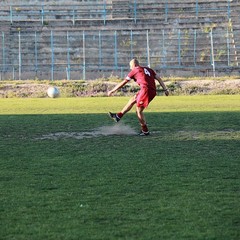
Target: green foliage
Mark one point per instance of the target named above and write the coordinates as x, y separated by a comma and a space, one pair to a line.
208, 27
127, 42
99, 87
219, 54
45, 23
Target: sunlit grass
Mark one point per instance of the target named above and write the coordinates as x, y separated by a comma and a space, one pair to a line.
105, 104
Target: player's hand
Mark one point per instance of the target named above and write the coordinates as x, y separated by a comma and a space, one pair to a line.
110, 93
166, 92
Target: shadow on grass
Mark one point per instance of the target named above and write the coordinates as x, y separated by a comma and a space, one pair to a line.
32, 125
183, 180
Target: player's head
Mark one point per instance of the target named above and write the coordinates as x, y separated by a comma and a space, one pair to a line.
133, 63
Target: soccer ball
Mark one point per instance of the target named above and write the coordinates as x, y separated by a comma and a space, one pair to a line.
53, 92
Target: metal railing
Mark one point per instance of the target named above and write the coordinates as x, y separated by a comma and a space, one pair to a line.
88, 54
71, 54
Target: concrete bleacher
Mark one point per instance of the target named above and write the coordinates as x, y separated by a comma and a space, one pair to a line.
99, 13
174, 29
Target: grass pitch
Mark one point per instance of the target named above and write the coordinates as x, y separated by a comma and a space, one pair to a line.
67, 173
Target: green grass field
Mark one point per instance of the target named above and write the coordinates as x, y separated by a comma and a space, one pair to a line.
66, 175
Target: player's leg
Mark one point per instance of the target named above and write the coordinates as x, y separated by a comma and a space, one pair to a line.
142, 102
142, 121
128, 106
117, 116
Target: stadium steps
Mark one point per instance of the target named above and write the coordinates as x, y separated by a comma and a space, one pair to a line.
122, 20
235, 30
119, 15
118, 24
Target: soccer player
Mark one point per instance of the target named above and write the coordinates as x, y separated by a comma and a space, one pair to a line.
145, 78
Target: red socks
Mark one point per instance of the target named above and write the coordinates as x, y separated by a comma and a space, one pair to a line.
144, 128
119, 115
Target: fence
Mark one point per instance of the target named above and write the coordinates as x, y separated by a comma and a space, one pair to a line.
89, 39
90, 54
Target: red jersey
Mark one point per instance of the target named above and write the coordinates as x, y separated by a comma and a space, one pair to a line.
143, 76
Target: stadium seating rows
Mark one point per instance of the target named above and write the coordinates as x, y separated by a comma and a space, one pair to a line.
87, 38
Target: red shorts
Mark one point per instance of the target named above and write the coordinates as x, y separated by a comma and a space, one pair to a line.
145, 96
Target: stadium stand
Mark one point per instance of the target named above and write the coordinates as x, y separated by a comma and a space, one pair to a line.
95, 38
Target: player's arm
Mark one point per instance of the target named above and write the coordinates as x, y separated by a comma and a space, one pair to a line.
118, 86
159, 79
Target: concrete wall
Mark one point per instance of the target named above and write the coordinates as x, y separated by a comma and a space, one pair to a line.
178, 37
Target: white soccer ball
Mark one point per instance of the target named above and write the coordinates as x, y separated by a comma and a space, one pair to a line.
53, 92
